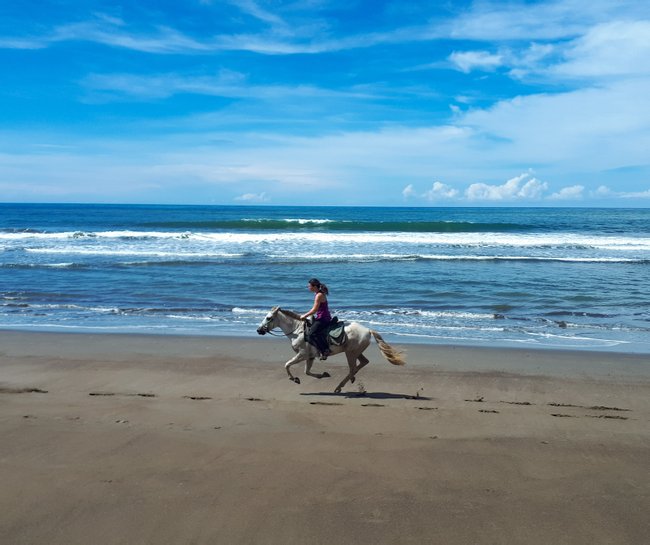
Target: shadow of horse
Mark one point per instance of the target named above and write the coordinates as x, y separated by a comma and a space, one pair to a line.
369, 395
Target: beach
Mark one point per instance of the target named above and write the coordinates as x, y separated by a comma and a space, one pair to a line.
122, 439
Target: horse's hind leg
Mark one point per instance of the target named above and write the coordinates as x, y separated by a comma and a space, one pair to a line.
363, 361
353, 369
308, 364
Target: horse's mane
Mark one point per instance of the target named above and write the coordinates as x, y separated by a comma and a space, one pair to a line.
290, 313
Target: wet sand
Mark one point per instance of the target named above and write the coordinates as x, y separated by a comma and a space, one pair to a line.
127, 439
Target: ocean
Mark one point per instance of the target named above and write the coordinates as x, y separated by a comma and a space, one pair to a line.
526, 277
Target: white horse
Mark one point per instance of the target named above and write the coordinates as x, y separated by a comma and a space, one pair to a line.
358, 339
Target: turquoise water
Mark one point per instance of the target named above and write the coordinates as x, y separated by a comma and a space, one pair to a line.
556, 278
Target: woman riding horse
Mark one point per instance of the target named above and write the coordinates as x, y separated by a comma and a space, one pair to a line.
318, 328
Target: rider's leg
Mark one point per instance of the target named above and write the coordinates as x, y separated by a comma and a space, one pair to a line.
316, 336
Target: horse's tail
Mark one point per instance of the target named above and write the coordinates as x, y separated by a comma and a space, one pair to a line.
392, 355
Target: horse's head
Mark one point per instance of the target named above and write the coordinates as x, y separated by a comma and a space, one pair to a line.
268, 323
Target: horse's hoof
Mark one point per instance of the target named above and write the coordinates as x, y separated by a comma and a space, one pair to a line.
325, 375
294, 379
337, 390
353, 379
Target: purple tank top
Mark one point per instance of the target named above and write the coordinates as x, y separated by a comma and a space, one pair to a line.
323, 312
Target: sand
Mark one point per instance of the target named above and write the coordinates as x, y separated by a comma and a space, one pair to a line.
124, 439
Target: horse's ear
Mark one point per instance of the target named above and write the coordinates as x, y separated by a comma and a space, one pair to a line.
275, 309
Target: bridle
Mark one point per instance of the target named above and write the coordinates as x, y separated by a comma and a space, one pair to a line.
268, 330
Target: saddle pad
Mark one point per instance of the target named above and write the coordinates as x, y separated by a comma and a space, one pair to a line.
337, 334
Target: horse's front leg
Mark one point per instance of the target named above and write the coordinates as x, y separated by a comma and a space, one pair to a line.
308, 364
298, 357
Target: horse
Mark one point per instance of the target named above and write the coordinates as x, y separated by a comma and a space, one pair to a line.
358, 339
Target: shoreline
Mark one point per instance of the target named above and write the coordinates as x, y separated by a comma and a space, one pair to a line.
121, 439
636, 346
449, 357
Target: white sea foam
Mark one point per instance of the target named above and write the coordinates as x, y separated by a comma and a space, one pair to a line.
80, 235
132, 252
443, 257
253, 311
215, 253
190, 317
412, 312
474, 240
307, 221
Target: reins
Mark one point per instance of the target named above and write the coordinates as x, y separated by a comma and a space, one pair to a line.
283, 334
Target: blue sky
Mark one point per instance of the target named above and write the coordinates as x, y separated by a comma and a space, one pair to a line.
326, 102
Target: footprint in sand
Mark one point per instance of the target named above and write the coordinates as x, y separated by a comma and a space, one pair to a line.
372, 405
9, 390
324, 403
603, 408
197, 398
558, 415
107, 394
488, 411
591, 408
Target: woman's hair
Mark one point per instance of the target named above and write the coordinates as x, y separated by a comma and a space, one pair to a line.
322, 288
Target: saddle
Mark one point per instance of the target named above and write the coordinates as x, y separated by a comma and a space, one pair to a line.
335, 333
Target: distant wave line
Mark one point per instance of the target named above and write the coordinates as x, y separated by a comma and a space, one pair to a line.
293, 224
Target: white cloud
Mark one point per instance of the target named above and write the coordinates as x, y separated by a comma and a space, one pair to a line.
440, 191
549, 20
466, 61
604, 192
254, 10
408, 191
617, 48
591, 129
226, 83
162, 40
253, 197
532, 189
296, 28
568, 193
636, 195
